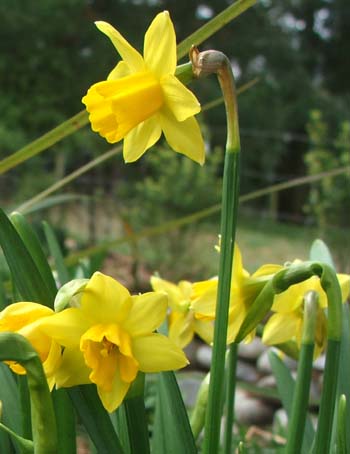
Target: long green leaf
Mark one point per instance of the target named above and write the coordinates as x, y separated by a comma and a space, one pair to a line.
172, 431
11, 414
56, 253
95, 419
319, 252
286, 386
25, 273
34, 248
66, 423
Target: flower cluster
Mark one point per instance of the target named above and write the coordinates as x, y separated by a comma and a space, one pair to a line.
110, 335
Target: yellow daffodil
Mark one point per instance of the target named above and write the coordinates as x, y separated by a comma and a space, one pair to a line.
142, 97
24, 318
111, 337
183, 320
244, 289
287, 321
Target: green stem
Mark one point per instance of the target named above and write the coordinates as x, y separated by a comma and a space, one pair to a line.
230, 396
341, 429
327, 406
14, 347
206, 63
298, 414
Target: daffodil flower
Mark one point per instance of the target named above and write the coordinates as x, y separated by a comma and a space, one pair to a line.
287, 321
24, 318
244, 290
184, 323
111, 337
142, 97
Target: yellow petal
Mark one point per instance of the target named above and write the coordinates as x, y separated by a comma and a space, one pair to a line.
105, 300
178, 295
147, 313
236, 318
184, 137
156, 353
17, 315
65, 327
53, 359
141, 138
238, 272
113, 398
267, 270
120, 70
179, 99
73, 370
281, 328
344, 281
181, 328
205, 330
204, 303
160, 45
130, 55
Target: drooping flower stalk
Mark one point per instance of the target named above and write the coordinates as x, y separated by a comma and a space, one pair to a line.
205, 63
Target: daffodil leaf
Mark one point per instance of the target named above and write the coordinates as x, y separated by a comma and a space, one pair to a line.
286, 386
11, 414
172, 431
34, 248
95, 418
55, 251
319, 252
136, 418
65, 418
24, 271
26, 446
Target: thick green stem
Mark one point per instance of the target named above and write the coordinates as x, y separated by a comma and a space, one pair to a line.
14, 347
206, 63
297, 418
230, 396
327, 406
